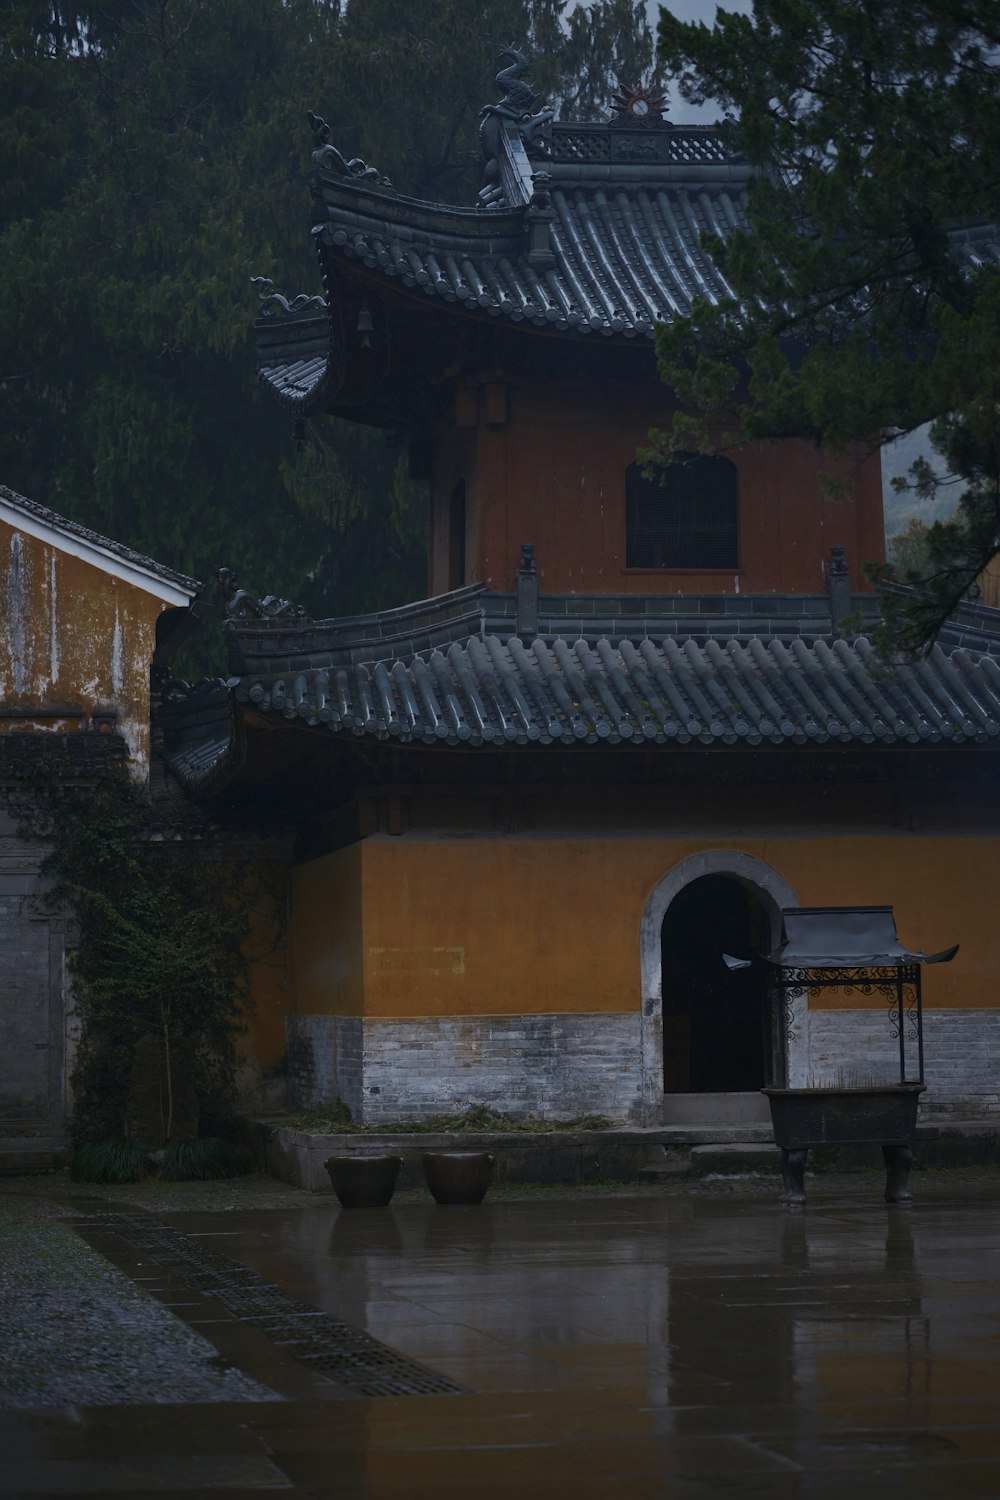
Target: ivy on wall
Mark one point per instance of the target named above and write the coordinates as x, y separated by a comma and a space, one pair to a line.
163, 951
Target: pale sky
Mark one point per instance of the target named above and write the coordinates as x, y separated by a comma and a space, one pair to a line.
678, 109
693, 10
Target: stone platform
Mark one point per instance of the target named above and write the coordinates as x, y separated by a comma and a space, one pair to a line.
579, 1158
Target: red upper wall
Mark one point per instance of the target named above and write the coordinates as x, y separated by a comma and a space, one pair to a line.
547, 465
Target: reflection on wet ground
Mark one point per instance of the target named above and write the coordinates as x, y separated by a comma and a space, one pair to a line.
637, 1347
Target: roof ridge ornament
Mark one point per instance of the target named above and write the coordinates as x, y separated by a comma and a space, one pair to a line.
332, 160
273, 304
838, 583
540, 216
242, 605
175, 690
514, 112
641, 104
526, 594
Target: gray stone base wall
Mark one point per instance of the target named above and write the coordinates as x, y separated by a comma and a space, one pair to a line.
559, 1066
34, 1060
556, 1066
325, 1062
961, 1056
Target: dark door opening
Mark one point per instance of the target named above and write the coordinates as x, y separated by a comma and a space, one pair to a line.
716, 1021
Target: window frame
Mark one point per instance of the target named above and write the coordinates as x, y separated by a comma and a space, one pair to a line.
634, 502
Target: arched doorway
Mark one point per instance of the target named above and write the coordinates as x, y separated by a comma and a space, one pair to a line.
772, 893
717, 1032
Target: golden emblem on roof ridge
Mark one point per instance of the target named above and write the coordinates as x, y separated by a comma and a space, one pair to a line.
639, 104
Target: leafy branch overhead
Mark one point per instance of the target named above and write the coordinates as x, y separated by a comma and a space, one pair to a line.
865, 284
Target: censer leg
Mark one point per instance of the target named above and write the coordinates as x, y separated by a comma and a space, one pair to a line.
793, 1170
898, 1161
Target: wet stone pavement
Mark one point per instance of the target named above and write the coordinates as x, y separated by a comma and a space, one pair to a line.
642, 1344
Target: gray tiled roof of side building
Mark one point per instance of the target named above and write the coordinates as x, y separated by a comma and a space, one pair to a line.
31, 509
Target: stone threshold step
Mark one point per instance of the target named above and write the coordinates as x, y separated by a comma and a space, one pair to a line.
713, 1135
728, 1157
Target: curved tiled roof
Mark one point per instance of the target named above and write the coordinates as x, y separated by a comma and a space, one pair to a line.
293, 357
490, 691
601, 236
604, 671
608, 243
200, 737
622, 261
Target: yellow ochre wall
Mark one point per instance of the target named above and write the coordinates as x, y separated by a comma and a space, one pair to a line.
325, 935
72, 634
446, 927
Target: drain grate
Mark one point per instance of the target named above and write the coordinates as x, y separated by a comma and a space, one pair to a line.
333, 1349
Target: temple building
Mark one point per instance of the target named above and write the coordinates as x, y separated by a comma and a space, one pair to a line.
635, 718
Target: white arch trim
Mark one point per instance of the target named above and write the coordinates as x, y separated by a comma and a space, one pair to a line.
746, 868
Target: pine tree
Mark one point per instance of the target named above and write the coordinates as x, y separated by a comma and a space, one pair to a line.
876, 128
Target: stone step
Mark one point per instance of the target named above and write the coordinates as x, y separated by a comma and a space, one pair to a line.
690, 1110
24, 1156
734, 1157
712, 1135
667, 1171
723, 1158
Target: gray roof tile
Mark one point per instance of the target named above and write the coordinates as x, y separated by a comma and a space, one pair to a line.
716, 690
32, 510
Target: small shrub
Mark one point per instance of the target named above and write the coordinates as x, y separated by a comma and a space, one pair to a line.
109, 1161
200, 1161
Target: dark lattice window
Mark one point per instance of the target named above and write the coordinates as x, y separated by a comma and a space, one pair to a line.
684, 517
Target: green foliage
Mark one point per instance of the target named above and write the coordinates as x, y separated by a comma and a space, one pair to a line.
162, 949
205, 1159
907, 551
876, 127
153, 155
336, 1119
941, 571
109, 1161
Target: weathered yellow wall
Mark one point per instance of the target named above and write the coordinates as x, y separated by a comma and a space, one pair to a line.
495, 926
72, 634
325, 935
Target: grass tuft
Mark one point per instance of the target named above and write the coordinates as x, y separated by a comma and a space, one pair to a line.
109, 1161
200, 1161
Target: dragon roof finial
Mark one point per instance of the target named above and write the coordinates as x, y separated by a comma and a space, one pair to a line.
515, 108
518, 95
